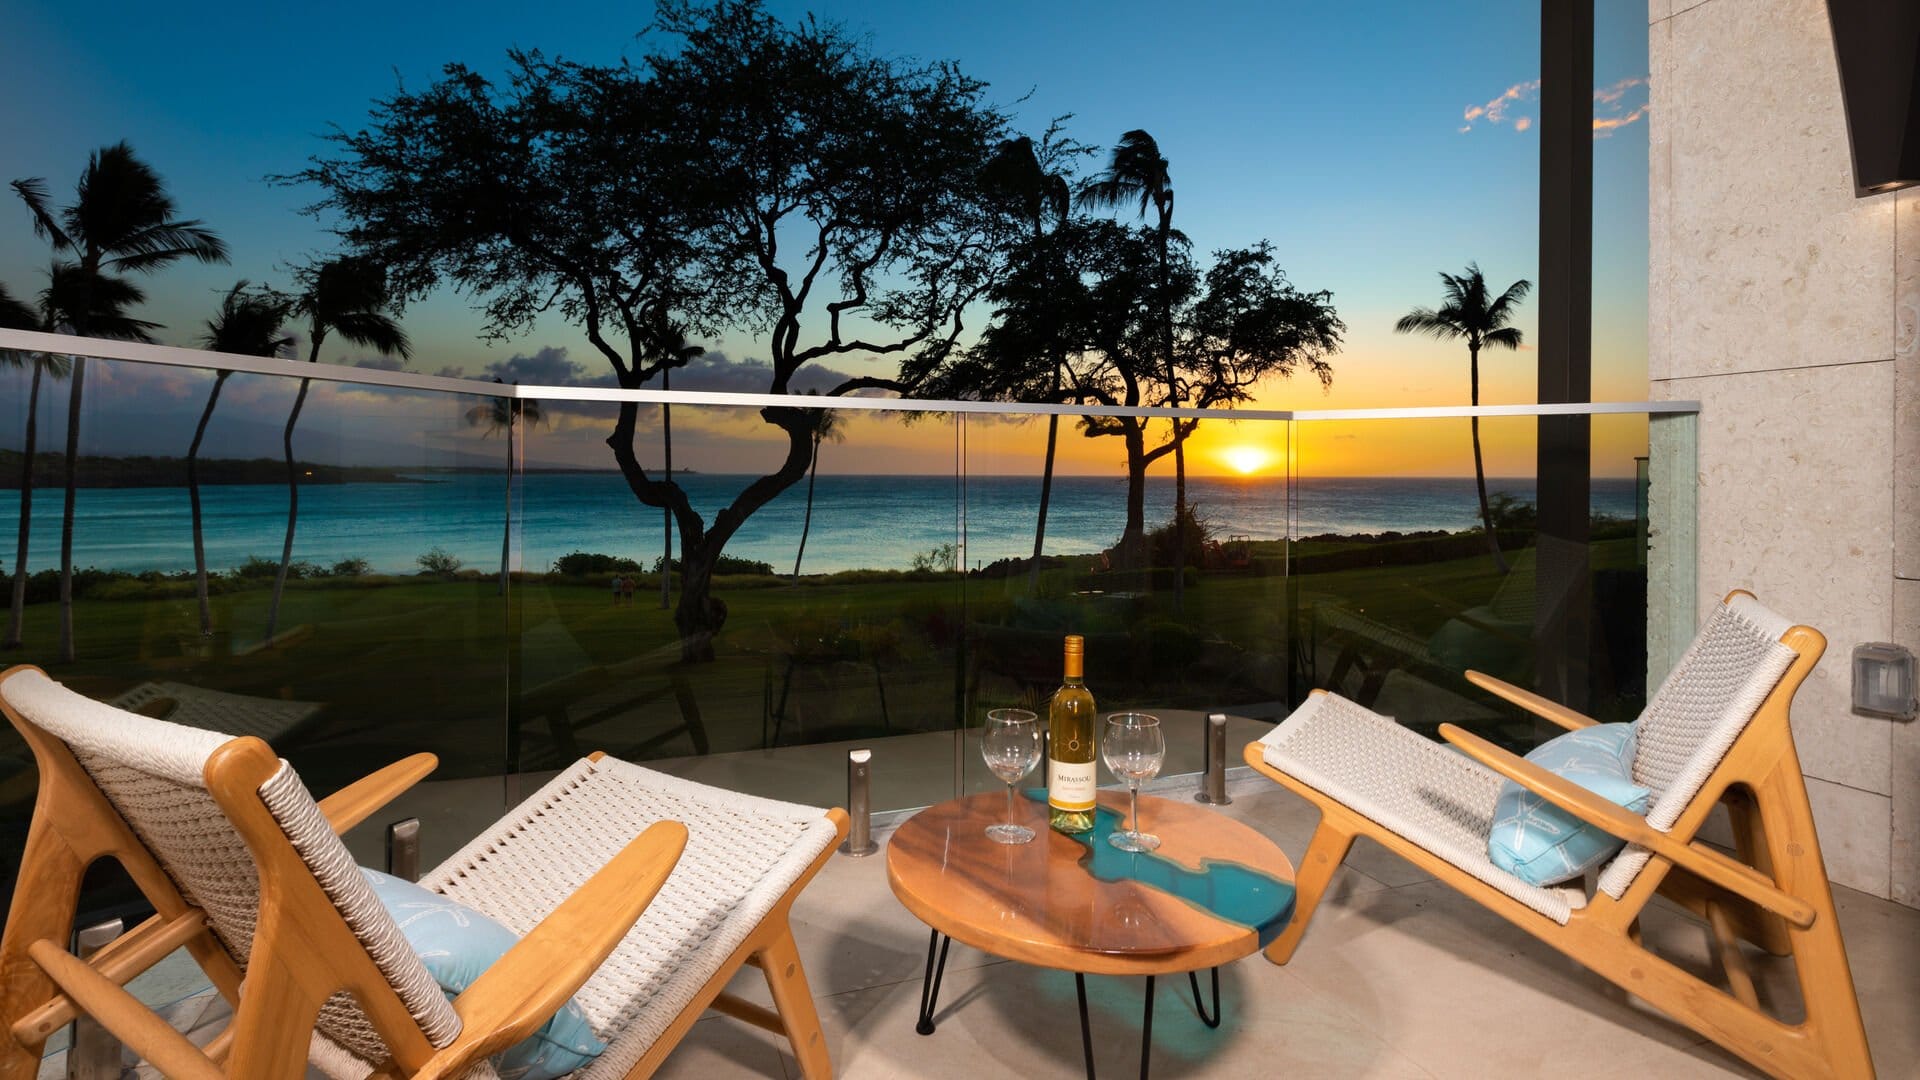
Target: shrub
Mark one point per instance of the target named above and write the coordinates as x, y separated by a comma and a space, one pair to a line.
438, 561
941, 558
1160, 542
355, 567
727, 564
257, 568
583, 563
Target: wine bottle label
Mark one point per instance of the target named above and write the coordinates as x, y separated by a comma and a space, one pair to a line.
1070, 784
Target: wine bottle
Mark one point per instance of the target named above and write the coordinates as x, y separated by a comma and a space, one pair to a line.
1070, 757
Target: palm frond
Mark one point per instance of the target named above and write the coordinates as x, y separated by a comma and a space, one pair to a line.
1507, 337
16, 314
1437, 324
163, 242
33, 192
1502, 308
374, 331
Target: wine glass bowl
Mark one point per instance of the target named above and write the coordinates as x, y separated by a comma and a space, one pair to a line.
1011, 748
1134, 749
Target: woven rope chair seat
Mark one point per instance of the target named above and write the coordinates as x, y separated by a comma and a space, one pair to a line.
271, 719
743, 853
1423, 790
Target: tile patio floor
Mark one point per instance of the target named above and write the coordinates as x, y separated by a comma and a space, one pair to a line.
1397, 977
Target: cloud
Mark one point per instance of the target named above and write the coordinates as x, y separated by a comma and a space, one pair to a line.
1495, 111
1615, 107
1605, 126
549, 366
381, 363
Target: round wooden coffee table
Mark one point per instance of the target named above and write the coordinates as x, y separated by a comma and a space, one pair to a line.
1215, 891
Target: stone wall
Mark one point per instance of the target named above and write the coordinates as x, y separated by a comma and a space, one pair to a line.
1789, 309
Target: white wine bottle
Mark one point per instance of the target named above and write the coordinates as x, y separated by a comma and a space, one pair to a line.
1070, 756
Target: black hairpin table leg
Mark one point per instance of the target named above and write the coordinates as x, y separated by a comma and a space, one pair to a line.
1193, 978
930, 985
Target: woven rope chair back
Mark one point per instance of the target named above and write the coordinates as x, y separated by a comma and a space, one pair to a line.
1699, 711
153, 773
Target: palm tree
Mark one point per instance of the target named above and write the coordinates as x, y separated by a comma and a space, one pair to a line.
346, 296
670, 350
1138, 172
502, 414
823, 425
121, 220
19, 315
1467, 313
1015, 178
247, 324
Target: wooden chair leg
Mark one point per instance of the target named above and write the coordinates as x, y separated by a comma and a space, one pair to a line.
1325, 852
787, 982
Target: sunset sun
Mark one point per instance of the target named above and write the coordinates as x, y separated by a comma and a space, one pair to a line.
1245, 460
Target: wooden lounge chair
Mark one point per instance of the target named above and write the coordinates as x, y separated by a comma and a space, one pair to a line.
1716, 732
246, 871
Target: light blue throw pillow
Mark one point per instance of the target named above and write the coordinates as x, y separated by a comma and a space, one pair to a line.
1540, 843
457, 943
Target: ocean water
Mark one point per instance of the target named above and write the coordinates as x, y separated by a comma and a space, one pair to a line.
858, 521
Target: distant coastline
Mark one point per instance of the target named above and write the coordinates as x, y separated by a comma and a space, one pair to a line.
119, 471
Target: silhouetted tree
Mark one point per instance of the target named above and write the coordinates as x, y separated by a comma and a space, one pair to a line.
762, 177
249, 323
1138, 171
826, 425
121, 221
346, 296
505, 414
1466, 311
670, 351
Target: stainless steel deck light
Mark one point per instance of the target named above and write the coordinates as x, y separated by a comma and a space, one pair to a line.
1883, 680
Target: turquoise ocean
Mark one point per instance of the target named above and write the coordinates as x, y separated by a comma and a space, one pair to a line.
858, 522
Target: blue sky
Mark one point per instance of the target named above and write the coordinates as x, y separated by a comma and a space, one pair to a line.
1333, 130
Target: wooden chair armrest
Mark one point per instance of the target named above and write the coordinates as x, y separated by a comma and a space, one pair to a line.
511, 999
1530, 701
1695, 858
359, 800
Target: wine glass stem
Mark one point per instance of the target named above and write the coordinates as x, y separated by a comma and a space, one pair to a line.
1009, 802
1133, 806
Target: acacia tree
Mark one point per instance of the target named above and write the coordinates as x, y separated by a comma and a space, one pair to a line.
776, 180
249, 323
1236, 326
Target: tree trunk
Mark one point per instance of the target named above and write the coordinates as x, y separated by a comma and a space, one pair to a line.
666, 515
1479, 469
193, 499
700, 615
1046, 495
66, 513
293, 510
806, 523
17, 619
1179, 439
1133, 537
506, 532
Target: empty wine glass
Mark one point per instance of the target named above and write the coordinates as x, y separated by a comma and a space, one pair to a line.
1133, 749
1011, 747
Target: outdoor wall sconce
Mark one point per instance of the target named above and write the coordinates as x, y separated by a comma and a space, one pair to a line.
1883, 680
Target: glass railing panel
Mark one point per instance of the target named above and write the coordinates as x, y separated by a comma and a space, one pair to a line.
1220, 642
386, 638
831, 617
1405, 594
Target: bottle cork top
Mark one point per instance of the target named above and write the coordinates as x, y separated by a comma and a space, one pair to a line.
1076, 643
1075, 652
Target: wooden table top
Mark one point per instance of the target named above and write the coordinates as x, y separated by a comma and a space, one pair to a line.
1215, 891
